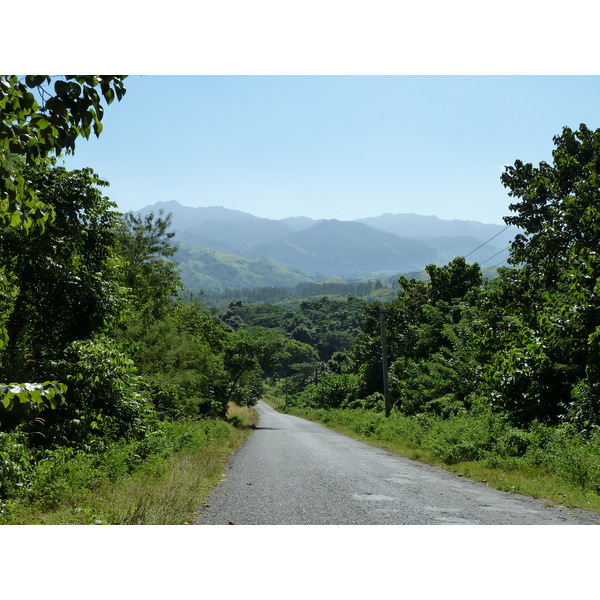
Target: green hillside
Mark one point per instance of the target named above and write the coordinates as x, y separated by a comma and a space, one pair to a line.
202, 268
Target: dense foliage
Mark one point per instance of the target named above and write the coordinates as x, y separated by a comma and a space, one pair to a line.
369, 288
40, 117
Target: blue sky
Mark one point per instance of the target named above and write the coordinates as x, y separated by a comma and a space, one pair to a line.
340, 147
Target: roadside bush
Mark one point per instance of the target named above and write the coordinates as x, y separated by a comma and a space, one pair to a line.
375, 402
15, 464
458, 440
333, 391
65, 476
584, 409
465, 437
575, 458
365, 422
514, 442
104, 399
171, 400
62, 476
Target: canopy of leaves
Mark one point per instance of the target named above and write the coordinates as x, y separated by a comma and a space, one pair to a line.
41, 116
61, 278
145, 247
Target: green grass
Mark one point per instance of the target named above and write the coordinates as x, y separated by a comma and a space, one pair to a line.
421, 442
165, 489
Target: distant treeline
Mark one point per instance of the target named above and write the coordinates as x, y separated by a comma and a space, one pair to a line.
358, 289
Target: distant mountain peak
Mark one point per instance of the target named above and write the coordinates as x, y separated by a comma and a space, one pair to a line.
388, 244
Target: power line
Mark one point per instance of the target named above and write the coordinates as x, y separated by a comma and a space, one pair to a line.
484, 243
456, 283
494, 255
496, 265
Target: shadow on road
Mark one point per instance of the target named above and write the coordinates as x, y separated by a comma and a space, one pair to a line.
268, 428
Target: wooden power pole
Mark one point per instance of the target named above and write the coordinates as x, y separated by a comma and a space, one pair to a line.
384, 361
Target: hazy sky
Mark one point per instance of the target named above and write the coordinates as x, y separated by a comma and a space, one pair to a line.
340, 147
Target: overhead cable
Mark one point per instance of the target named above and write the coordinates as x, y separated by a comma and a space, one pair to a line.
484, 243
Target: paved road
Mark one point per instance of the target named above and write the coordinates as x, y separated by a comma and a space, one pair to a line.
294, 472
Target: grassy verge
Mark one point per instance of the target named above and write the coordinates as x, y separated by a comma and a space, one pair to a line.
168, 488
569, 479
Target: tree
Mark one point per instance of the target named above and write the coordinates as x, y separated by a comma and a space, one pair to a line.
453, 280
31, 129
64, 295
559, 208
180, 359
61, 278
35, 127
145, 247
557, 293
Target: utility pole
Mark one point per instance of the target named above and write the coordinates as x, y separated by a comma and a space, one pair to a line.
384, 361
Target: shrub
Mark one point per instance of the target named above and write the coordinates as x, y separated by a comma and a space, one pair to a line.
63, 475
15, 464
575, 458
465, 437
513, 442
333, 391
104, 399
375, 402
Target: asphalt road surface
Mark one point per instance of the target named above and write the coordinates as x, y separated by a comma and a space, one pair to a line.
294, 472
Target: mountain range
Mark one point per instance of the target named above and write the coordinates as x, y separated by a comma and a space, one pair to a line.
221, 247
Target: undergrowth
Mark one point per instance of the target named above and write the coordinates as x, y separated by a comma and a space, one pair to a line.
162, 479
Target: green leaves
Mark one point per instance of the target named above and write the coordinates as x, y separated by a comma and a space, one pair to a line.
145, 248
554, 295
36, 80
49, 394
453, 280
34, 124
67, 112
559, 203
64, 286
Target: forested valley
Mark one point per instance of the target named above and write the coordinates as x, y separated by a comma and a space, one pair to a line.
109, 368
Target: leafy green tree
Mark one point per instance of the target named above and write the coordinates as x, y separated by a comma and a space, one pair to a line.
453, 280
403, 318
559, 207
243, 353
294, 358
180, 360
40, 115
65, 295
31, 129
428, 338
61, 277
144, 244
105, 400
333, 391
559, 266
59, 284
444, 379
